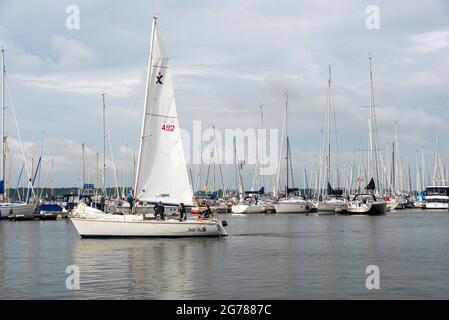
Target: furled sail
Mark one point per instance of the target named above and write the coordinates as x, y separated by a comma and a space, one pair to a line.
161, 170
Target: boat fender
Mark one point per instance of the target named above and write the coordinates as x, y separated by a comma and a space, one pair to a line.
224, 223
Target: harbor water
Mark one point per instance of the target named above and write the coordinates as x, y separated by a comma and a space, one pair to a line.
264, 257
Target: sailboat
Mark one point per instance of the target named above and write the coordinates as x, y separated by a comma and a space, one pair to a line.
253, 201
368, 203
437, 194
333, 200
292, 202
161, 174
16, 210
396, 199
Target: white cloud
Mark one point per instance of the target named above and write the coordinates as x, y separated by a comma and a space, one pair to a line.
71, 54
114, 82
17, 57
427, 42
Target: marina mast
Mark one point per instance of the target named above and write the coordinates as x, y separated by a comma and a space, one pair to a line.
3, 127
104, 147
287, 145
373, 167
142, 135
328, 130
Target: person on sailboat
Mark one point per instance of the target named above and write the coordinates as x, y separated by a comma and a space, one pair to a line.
159, 211
206, 213
130, 199
182, 212
102, 203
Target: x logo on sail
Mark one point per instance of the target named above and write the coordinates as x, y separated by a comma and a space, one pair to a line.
159, 78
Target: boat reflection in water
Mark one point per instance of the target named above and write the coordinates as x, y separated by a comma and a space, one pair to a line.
144, 269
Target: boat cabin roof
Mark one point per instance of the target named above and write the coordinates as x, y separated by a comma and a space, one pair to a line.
363, 196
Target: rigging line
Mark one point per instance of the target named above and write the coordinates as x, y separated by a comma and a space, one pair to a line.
18, 134
337, 153
19, 197
277, 179
40, 171
44, 182
12, 170
114, 165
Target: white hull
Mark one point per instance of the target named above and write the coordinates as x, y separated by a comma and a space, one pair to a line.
437, 197
330, 206
16, 209
437, 205
291, 207
370, 208
392, 205
93, 223
172, 228
252, 208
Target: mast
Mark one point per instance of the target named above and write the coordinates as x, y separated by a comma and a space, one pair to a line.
3, 126
410, 180
84, 165
262, 145
289, 155
287, 145
51, 180
134, 168
97, 175
104, 147
214, 185
418, 173
199, 170
393, 173
373, 168
125, 173
328, 129
423, 170
40, 171
136, 180
32, 158
224, 193
370, 129
435, 165
306, 183
237, 182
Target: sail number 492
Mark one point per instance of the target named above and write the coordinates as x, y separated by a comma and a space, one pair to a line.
168, 127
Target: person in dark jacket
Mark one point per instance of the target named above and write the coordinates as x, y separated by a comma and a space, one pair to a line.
102, 203
206, 213
182, 212
159, 211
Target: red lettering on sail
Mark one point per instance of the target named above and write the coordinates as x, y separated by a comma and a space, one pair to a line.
168, 127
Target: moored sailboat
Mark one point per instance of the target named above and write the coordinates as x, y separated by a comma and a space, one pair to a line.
366, 203
332, 200
292, 202
8, 209
369, 203
437, 194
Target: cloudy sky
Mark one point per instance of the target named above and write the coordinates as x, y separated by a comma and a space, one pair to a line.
227, 58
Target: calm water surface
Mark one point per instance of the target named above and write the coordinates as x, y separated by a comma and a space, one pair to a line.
264, 257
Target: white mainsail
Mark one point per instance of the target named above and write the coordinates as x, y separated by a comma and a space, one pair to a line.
161, 169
